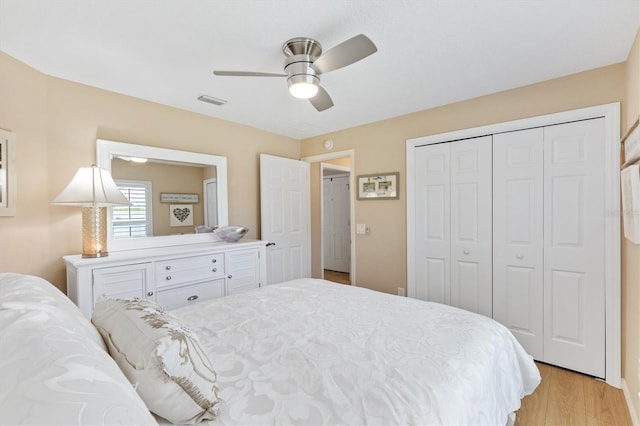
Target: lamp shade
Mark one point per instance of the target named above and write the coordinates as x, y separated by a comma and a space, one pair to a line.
91, 187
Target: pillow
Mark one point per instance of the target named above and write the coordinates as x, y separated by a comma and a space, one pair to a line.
160, 357
31, 293
52, 369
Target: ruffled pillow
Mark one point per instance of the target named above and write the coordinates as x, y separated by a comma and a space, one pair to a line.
161, 358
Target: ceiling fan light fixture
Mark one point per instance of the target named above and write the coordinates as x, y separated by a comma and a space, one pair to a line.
303, 86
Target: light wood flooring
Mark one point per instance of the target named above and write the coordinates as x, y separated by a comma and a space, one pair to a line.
337, 277
568, 398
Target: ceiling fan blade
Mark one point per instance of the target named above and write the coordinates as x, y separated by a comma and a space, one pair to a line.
248, 74
321, 100
345, 53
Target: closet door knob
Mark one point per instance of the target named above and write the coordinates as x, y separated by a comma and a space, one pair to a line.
229, 276
150, 293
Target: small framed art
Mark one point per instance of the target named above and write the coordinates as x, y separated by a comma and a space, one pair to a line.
380, 186
180, 215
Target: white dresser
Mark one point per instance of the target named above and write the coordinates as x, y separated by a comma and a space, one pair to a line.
172, 276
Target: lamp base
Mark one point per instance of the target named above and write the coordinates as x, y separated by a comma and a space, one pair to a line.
94, 232
94, 255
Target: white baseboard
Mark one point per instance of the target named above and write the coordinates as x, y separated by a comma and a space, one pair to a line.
627, 398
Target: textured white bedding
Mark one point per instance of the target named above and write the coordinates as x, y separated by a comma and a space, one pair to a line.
54, 369
313, 352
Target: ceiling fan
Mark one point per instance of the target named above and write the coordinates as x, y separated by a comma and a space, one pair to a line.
305, 62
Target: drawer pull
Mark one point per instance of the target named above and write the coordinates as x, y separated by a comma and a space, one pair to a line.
168, 278
229, 276
214, 260
192, 298
168, 267
150, 293
215, 269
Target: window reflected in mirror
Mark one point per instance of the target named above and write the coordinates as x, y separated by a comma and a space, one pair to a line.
133, 221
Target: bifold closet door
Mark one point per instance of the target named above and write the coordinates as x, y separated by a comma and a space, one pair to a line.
453, 224
471, 278
433, 244
574, 261
518, 236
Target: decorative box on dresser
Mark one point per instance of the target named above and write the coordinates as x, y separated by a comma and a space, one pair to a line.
172, 276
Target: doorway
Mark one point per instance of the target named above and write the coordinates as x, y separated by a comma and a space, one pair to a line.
341, 162
336, 221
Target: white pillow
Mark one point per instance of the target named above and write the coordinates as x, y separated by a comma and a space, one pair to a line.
160, 357
54, 368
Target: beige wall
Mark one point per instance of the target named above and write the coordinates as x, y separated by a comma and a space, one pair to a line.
57, 123
630, 251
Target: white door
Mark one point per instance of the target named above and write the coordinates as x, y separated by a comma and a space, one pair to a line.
574, 259
285, 218
210, 202
470, 170
517, 236
335, 225
432, 208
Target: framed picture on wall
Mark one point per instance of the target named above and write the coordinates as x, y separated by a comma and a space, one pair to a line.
181, 215
380, 186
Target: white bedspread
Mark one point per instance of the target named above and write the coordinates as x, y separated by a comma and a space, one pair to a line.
313, 352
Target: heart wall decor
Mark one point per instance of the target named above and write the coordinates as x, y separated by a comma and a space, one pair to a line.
181, 215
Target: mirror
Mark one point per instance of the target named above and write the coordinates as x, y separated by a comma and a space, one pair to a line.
184, 190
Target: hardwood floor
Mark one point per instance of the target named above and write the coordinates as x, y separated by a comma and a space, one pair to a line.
337, 277
568, 398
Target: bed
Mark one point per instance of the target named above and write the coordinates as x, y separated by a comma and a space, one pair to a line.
301, 352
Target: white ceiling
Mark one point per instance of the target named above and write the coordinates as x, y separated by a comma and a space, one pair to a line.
430, 52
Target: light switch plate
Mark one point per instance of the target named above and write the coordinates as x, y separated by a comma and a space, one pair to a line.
361, 228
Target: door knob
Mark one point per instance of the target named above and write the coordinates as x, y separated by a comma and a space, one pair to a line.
466, 252
150, 293
270, 244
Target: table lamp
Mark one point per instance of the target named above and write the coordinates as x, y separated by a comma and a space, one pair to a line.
94, 190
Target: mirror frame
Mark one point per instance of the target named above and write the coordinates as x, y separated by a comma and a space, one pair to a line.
107, 149
9, 165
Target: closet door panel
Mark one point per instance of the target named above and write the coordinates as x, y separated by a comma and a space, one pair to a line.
518, 236
432, 253
471, 281
574, 306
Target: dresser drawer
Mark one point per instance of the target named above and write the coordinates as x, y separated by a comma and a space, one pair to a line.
177, 297
173, 272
